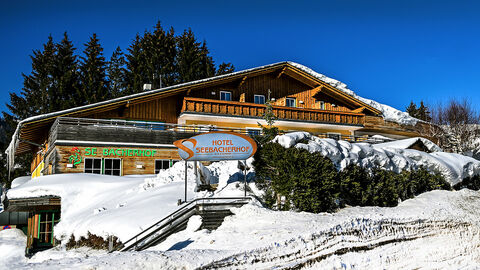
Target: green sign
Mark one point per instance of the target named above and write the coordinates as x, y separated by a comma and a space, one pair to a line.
119, 152
76, 157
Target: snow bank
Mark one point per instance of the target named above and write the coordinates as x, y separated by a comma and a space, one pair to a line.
12, 248
105, 205
123, 205
20, 181
438, 228
392, 156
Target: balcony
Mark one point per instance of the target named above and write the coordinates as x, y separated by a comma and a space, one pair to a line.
243, 109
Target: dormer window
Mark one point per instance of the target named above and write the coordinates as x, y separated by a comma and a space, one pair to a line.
225, 95
259, 99
291, 102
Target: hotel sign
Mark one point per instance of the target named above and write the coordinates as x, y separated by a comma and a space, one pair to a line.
215, 146
120, 152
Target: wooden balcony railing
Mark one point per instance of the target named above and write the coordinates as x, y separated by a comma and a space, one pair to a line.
235, 108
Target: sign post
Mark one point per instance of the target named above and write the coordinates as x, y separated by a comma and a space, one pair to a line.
245, 178
216, 146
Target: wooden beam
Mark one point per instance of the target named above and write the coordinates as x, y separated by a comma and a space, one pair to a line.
281, 72
242, 81
359, 110
299, 77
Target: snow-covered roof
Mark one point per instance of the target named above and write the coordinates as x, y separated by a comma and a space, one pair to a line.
410, 142
388, 112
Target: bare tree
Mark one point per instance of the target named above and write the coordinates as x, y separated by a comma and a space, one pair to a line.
456, 126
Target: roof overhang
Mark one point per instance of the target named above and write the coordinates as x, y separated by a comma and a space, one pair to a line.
33, 204
31, 129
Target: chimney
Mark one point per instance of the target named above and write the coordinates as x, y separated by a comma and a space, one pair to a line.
147, 87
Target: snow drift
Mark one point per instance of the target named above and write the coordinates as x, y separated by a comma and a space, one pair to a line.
122, 205
394, 156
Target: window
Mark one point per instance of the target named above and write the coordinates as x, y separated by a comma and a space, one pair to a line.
112, 166
46, 221
93, 165
291, 102
224, 95
162, 164
109, 166
335, 136
259, 99
322, 105
253, 132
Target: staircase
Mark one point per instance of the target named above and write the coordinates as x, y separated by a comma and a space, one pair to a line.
213, 214
212, 210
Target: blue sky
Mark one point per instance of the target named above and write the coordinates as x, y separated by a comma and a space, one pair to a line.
389, 51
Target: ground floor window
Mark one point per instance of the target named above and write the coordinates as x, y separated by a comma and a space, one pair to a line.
43, 224
161, 164
93, 165
109, 166
112, 166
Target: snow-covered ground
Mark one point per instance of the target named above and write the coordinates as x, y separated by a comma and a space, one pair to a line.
122, 205
438, 229
12, 248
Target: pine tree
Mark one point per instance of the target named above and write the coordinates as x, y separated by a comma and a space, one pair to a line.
117, 73
423, 113
33, 98
136, 74
169, 68
94, 85
65, 91
188, 58
412, 109
207, 66
160, 51
225, 68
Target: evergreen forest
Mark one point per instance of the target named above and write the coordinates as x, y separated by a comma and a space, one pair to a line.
63, 76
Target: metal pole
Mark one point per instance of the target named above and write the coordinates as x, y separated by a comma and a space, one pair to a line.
245, 177
186, 167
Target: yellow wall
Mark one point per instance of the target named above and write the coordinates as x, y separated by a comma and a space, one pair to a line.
38, 171
284, 127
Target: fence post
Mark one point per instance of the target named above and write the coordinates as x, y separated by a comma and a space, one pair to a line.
110, 243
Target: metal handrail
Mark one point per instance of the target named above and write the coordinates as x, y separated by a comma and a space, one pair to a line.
171, 218
194, 129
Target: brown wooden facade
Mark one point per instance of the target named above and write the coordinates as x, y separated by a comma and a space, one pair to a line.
318, 107
133, 160
136, 132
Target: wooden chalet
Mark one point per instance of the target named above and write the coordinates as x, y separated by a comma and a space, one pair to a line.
134, 134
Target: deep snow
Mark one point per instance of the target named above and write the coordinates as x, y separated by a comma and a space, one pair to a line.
123, 205
435, 229
438, 228
394, 156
